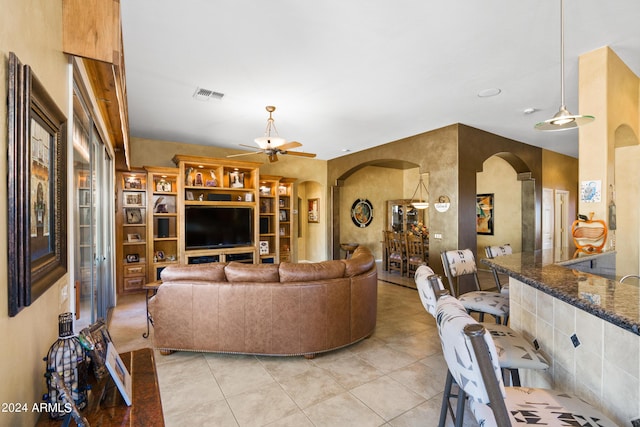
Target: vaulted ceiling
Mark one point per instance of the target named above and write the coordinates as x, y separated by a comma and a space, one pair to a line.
349, 75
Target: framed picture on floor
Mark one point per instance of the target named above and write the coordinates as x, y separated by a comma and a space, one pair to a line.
119, 373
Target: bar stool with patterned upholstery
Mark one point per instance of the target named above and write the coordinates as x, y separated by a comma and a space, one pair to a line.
460, 263
472, 356
514, 353
496, 251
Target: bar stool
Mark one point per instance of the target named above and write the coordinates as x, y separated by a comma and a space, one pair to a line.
515, 352
493, 252
471, 355
461, 263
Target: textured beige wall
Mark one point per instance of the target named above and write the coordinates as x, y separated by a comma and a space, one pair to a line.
499, 178
560, 172
377, 185
610, 91
33, 30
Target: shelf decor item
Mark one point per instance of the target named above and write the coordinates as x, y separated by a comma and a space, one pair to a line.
66, 357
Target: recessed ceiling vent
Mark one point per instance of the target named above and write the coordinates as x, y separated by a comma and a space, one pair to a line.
202, 94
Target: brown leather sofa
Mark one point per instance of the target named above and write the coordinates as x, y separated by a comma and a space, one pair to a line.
268, 309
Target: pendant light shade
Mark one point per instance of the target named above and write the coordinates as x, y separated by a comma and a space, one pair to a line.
563, 119
420, 203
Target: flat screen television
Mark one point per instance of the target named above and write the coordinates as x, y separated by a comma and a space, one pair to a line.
210, 227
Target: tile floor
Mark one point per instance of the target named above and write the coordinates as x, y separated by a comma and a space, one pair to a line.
394, 378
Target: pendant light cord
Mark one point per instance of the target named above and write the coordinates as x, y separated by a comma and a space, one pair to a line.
562, 101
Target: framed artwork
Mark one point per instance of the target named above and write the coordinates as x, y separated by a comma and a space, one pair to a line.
283, 215
133, 258
133, 215
37, 190
133, 199
119, 373
236, 179
133, 182
362, 213
484, 214
133, 238
314, 210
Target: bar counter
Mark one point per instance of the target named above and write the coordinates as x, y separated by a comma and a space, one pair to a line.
557, 273
587, 325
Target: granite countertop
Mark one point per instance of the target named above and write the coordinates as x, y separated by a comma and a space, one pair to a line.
617, 303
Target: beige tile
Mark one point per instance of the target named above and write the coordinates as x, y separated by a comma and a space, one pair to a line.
281, 368
350, 371
311, 387
182, 396
387, 397
208, 414
419, 345
387, 359
343, 410
617, 382
237, 374
590, 331
261, 406
298, 419
421, 379
627, 357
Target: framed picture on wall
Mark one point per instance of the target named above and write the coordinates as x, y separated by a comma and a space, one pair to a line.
314, 210
484, 214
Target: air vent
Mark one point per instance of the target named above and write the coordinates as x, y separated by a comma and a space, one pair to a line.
203, 94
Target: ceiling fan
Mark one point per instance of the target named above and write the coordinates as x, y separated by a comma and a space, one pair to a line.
273, 145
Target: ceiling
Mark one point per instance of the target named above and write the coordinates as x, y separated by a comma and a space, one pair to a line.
349, 75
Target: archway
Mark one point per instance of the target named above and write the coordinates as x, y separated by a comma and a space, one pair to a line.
376, 181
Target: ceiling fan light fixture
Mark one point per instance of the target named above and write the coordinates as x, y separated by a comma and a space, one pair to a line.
268, 141
563, 119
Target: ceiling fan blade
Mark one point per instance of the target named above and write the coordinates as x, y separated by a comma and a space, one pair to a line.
299, 153
253, 147
289, 145
273, 157
244, 154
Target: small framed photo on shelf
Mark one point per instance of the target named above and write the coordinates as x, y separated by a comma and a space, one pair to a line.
282, 190
133, 199
159, 256
236, 179
281, 203
119, 373
283, 215
133, 258
189, 195
133, 215
133, 182
133, 238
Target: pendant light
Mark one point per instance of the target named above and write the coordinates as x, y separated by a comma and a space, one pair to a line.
268, 141
420, 203
563, 119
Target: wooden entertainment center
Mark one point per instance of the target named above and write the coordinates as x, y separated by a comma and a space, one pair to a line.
151, 218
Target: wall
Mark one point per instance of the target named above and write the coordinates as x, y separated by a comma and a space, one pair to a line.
610, 91
33, 30
560, 172
499, 178
375, 184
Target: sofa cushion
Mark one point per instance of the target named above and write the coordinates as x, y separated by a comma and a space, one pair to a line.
292, 272
241, 272
360, 262
212, 272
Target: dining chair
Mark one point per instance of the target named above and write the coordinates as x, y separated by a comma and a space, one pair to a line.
493, 252
397, 254
415, 253
514, 353
472, 358
461, 263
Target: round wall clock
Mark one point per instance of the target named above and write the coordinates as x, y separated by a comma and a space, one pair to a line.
362, 212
